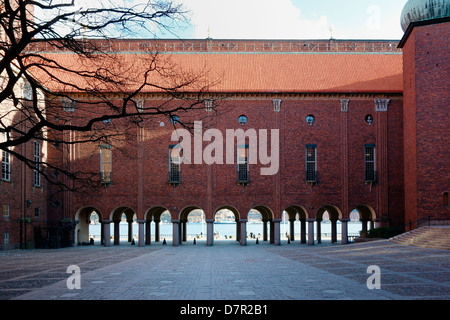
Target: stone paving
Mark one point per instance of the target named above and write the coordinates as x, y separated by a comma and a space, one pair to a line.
227, 271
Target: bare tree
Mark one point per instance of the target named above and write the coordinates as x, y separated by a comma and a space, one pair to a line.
38, 83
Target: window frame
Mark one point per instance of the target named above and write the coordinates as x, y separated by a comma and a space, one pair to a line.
243, 166
370, 176
105, 176
309, 163
6, 162
37, 157
174, 165
5, 211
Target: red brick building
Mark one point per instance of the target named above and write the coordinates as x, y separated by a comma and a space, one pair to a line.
344, 116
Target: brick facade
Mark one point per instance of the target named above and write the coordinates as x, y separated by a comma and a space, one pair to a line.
340, 133
426, 131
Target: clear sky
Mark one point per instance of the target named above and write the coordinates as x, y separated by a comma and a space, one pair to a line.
293, 19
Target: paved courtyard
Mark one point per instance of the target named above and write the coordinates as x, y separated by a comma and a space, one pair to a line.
227, 271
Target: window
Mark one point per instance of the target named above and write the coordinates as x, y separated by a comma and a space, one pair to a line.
37, 164
105, 164
5, 210
445, 199
174, 164
242, 161
242, 120
6, 162
6, 238
311, 163
370, 170
37, 212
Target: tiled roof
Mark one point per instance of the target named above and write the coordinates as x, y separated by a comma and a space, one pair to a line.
242, 72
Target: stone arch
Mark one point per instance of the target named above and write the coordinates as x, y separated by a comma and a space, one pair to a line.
116, 218
267, 217
366, 214
334, 214
154, 214
83, 216
293, 212
236, 224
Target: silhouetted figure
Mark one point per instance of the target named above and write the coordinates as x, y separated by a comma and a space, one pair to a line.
132, 242
164, 241
195, 241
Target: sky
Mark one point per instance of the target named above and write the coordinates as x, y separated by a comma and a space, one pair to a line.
293, 19
276, 19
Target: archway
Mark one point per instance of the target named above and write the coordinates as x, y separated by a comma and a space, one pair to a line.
364, 214
331, 214
268, 227
89, 226
183, 234
125, 226
297, 213
158, 225
226, 224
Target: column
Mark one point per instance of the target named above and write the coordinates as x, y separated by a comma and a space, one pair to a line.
209, 232
243, 223
302, 230
276, 232
141, 236
180, 232
116, 232
291, 229
311, 231
319, 232
175, 233
381, 109
148, 232
157, 230
364, 226
238, 230
184, 223
271, 226
333, 231
130, 230
106, 233
344, 232
264, 229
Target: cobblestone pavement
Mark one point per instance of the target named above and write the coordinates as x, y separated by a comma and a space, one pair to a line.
227, 272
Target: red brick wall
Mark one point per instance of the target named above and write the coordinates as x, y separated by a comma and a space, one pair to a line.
275, 192
427, 139
15, 193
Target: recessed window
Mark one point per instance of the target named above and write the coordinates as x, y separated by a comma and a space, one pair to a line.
369, 119
174, 164
6, 161
6, 238
311, 163
37, 212
242, 120
310, 119
105, 164
37, 164
445, 199
370, 164
174, 119
243, 168
5, 210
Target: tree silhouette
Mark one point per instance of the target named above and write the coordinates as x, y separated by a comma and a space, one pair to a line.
54, 52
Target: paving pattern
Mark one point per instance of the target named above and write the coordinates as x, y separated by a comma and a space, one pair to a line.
228, 272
